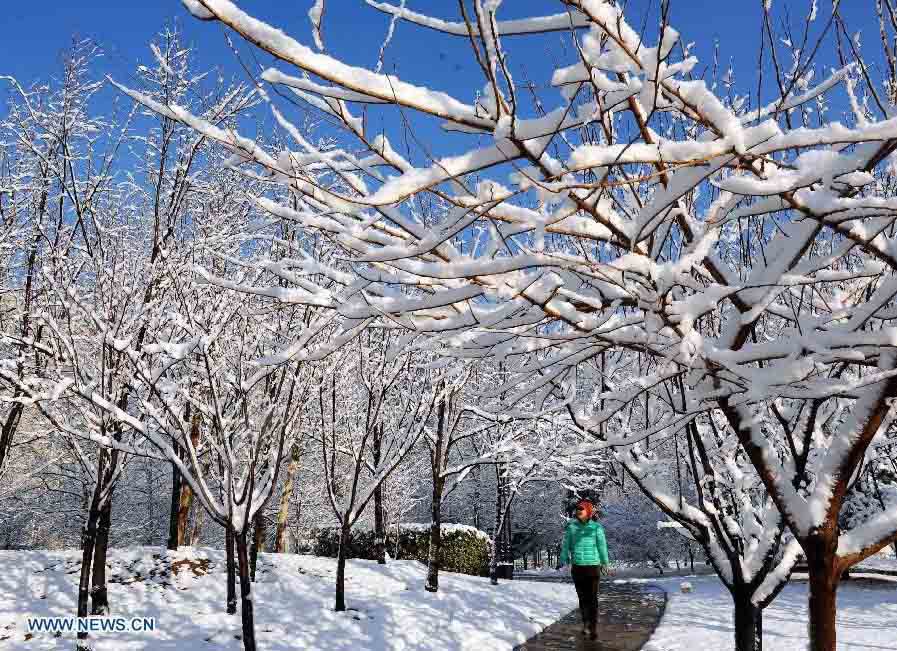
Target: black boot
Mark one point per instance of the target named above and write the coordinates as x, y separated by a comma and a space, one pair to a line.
593, 630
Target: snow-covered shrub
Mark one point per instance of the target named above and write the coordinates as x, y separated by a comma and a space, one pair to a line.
464, 549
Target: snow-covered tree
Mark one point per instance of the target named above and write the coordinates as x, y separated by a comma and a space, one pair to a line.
740, 247
699, 476
65, 153
374, 404
103, 257
56, 158
204, 362
464, 437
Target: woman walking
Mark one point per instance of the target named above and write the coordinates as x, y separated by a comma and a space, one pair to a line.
585, 548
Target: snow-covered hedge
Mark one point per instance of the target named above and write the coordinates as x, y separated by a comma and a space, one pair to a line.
465, 549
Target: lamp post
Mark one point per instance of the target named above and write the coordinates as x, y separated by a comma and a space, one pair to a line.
504, 558
508, 555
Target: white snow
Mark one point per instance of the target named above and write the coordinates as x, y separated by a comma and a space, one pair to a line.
535, 24
446, 528
293, 596
702, 619
195, 8
353, 78
315, 14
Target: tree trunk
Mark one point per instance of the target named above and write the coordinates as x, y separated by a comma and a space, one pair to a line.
183, 519
231, 572
281, 539
10, 425
748, 624
99, 588
186, 494
435, 551
476, 496
246, 611
824, 579
493, 561
88, 542
260, 532
174, 529
433, 555
496, 535
379, 526
340, 605
193, 537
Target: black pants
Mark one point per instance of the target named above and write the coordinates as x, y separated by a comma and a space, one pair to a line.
585, 578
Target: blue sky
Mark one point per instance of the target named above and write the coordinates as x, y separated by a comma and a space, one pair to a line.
37, 32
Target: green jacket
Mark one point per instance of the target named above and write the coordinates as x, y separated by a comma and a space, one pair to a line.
585, 543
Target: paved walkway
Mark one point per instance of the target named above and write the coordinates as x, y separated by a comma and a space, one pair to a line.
627, 615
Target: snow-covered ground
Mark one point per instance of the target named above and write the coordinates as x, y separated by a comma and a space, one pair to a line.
294, 604
703, 619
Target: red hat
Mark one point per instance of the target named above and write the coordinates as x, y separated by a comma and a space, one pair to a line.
587, 506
